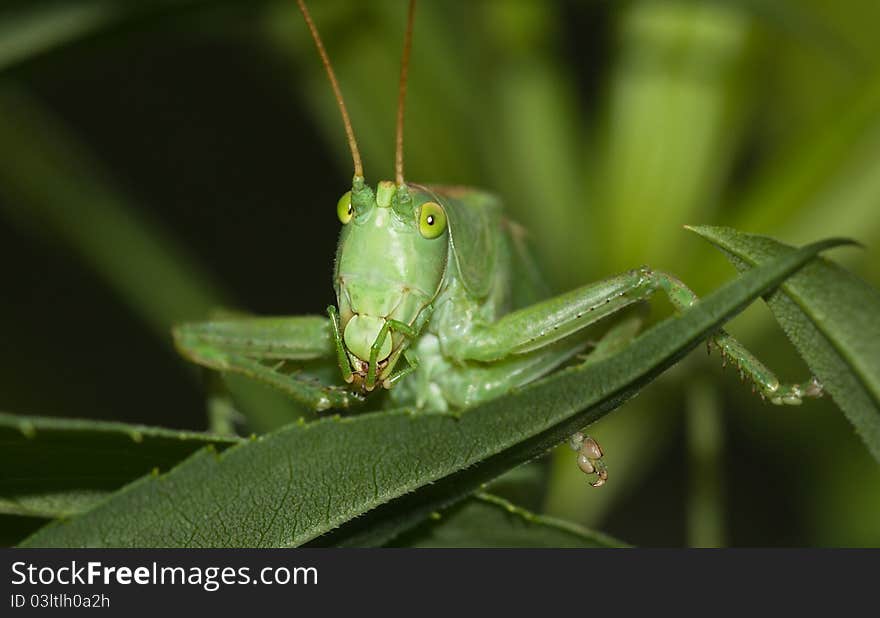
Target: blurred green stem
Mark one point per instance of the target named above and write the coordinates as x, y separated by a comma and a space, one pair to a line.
831, 169
676, 102
29, 31
53, 188
705, 445
222, 414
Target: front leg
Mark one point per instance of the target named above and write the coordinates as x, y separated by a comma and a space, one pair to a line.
372, 375
555, 319
259, 348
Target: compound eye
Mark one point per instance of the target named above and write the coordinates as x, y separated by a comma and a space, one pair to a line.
344, 209
432, 220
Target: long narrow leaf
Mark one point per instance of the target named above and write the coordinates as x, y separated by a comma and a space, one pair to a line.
833, 319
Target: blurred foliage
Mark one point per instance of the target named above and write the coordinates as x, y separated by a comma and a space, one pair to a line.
148, 143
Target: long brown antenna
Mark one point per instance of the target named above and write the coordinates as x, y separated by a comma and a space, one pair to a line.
352, 143
401, 96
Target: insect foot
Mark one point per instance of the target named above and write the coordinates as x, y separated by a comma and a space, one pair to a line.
589, 457
762, 379
793, 394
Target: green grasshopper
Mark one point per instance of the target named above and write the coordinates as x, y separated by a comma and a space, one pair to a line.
437, 300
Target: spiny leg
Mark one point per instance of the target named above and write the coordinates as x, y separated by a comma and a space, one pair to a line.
766, 383
308, 391
245, 345
557, 318
764, 380
548, 321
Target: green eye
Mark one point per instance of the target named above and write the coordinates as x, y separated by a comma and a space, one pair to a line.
432, 220
344, 209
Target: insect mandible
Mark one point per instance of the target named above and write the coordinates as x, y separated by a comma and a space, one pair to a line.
437, 301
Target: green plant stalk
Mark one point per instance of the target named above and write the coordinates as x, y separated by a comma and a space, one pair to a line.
705, 448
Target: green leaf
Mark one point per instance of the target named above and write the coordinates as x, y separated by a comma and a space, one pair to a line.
484, 520
57, 467
301, 482
833, 319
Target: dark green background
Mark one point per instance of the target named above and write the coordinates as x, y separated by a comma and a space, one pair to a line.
605, 126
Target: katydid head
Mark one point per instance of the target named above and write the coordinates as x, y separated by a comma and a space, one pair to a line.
392, 252
390, 263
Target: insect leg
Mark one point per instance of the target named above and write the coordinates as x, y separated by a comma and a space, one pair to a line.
469, 384
589, 457
223, 414
557, 318
248, 346
549, 321
289, 338
370, 382
617, 338
413, 364
589, 453
748, 365
399, 327
341, 356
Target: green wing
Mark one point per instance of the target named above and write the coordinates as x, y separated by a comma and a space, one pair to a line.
474, 226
